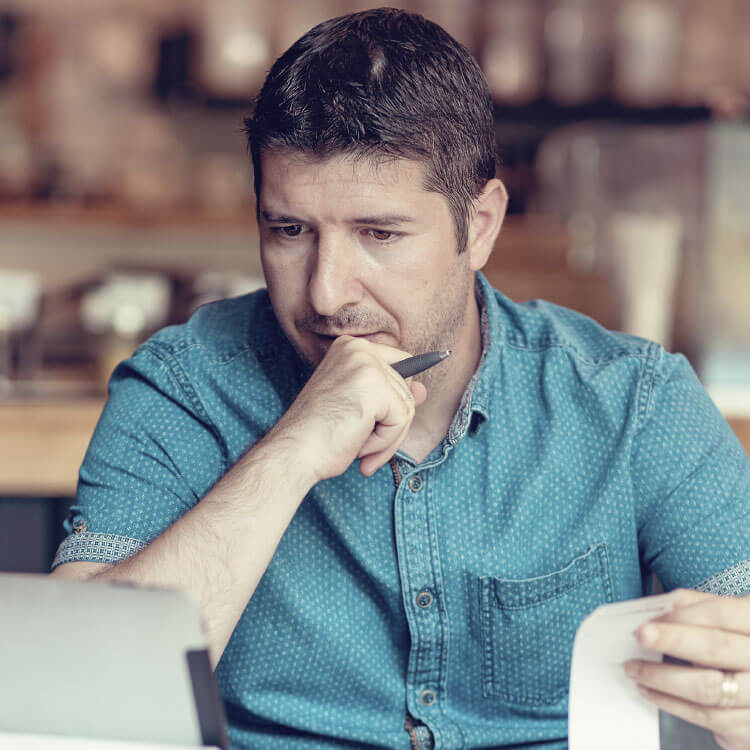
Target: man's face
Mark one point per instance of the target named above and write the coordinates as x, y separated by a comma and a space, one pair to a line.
351, 247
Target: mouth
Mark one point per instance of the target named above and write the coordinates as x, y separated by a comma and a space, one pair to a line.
326, 339
332, 336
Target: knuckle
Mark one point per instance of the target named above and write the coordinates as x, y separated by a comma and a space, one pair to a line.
709, 688
718, 646
727, 613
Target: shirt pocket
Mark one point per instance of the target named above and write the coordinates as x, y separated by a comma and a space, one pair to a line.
528, 628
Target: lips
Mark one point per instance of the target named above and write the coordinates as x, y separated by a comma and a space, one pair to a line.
346, 333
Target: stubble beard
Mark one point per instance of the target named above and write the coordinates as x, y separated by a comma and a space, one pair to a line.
443, 325
439, 329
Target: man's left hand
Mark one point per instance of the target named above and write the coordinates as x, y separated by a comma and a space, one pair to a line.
712, 633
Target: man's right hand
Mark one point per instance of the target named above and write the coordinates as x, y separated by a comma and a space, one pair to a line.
355, 405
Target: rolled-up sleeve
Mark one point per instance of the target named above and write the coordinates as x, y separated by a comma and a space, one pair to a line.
691, 479
153, 455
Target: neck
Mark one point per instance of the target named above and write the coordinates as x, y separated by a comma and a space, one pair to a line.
435, 415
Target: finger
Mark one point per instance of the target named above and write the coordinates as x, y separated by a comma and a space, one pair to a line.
710, 647
381, 439
374, 444
391, 442
695, 685
418, 392
709, 610
374, 461
730, 723
386, 438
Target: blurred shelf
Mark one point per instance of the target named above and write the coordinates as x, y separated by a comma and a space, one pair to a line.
68, 244
117, 214
552, 114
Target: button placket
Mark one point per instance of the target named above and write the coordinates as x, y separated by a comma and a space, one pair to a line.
421, 575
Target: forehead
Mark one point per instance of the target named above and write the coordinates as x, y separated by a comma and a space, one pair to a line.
291, 178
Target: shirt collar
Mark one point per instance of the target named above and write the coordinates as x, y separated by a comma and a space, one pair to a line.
475, 400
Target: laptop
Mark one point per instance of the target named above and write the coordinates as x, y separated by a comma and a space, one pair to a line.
105, 661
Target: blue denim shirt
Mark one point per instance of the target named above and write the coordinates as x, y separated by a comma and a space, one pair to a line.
433, 604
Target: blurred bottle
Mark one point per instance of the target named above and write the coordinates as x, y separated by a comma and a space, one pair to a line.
223, 184
293, 19
705, 56
20, 297
119, 49
569, 169
121, 312
646, 260
576, 37
235, 46
210, 286
16, 155
457, 18
100, 66
740, 65
647, 35
725, 331
511, 50
152, 173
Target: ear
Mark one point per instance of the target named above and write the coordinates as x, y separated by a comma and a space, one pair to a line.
486, 220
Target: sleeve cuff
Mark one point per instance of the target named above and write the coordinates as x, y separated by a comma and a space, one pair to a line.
734, 581
88, 546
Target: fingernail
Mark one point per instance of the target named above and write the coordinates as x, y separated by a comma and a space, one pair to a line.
642, 690
631, 669
649, 634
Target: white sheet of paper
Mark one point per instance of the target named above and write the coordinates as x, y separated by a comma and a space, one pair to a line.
605, 709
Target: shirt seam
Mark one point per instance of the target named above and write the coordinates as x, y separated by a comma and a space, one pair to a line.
190, 342
173, 366
643, 401
568, 347
646, 386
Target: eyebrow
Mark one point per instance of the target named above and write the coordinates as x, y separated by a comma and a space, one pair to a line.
387, 220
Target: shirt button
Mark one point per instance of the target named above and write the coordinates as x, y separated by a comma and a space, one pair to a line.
427, 697
415, 483
424, 599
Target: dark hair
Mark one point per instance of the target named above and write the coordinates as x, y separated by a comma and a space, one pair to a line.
382, 83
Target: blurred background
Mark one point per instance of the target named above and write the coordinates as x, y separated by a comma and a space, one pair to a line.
126, 198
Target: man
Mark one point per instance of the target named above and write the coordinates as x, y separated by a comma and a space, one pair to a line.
403, 563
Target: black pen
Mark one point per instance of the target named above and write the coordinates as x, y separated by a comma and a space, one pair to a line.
413, 365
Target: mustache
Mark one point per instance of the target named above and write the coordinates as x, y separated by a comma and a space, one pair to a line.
343, 320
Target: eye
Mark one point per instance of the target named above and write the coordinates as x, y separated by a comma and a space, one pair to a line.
291, 230
382, 235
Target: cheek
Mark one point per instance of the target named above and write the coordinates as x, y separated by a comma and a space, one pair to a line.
285, 280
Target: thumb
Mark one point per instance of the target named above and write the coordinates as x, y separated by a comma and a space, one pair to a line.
418, 391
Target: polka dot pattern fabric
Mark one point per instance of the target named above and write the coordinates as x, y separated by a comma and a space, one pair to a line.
446, 593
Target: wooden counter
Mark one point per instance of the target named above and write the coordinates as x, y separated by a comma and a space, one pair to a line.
42, 443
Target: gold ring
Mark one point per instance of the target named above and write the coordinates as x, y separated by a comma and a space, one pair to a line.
729, 690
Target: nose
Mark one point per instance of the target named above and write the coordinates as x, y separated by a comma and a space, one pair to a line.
334, 277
